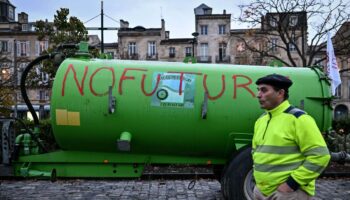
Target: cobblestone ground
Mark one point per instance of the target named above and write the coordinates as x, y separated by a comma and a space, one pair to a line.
329, 189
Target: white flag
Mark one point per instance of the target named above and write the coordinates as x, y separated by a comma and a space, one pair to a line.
332, 66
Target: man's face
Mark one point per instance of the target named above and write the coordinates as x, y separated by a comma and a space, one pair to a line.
268, 97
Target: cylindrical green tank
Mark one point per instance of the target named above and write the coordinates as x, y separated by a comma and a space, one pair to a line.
169, 108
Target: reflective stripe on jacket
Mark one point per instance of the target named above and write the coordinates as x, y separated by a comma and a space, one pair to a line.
287, 144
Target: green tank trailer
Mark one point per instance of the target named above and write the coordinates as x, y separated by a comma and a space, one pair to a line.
111, 118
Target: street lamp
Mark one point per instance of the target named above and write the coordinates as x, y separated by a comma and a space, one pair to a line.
194, 41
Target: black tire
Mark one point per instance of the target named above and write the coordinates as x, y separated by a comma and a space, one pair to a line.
237, 183
218, 171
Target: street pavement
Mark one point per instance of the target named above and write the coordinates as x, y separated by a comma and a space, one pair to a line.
330, 189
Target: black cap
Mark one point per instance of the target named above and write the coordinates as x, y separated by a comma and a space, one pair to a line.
275, 80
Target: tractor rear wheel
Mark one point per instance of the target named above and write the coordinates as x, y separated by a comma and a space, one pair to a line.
238, 183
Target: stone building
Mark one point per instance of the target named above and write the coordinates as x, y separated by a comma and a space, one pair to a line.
213, 40
139, 43
247, 45
19, 46
175, 50
342, 43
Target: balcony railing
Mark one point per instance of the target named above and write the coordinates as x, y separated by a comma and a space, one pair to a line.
131, 56
152, 57
204, 59
222, 59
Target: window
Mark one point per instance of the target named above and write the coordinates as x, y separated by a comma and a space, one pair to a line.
21, 67
204, 49
23, 48
171, 52
222, 29
207, 11
24, 27
204, 29
3, 46
338, 92
40, 47
273, 44
293, 20
131, 48
152, 51
188, 51
292, 43
222, 51
11, 13
240, 47
273, 21
43, 95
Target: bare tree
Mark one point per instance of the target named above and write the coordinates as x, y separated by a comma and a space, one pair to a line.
301, 27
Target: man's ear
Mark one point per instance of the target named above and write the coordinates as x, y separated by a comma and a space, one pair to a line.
281, 92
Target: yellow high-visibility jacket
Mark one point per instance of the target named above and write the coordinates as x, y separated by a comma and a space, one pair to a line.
288, 147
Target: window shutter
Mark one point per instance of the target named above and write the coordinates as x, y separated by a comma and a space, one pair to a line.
37, 53
149, 49
28, 48
10, 43
38, 95
155, 48
18, 44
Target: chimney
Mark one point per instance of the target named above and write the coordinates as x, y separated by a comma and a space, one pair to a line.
23, 18
163, 24
124, 24
224, 12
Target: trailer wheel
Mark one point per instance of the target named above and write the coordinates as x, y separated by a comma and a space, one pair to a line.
237, 182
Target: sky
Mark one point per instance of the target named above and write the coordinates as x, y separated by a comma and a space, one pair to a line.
178, 14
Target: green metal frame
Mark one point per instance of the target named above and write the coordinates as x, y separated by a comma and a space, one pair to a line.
97, 164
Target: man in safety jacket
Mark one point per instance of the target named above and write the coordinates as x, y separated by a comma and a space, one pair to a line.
289, 152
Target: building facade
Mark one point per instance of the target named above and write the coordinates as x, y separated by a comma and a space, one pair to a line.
19, 45
341, 43
214, 41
